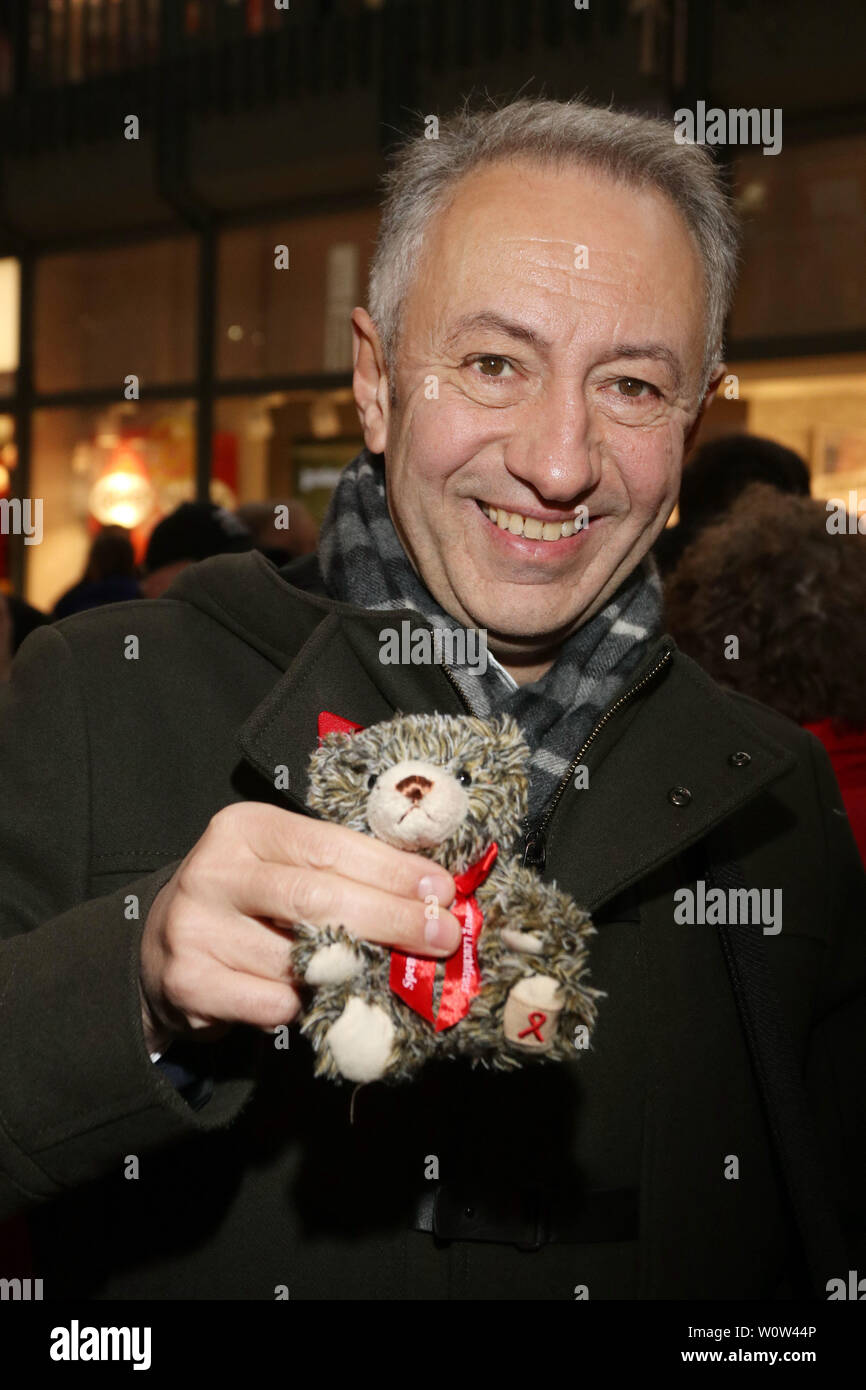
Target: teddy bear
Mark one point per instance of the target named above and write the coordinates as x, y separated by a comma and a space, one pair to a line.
453, 788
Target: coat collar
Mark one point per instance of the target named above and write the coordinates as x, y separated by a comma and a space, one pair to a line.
681, 731
683, 734
338, 669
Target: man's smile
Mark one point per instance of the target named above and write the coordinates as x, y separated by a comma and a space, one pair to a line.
522, 533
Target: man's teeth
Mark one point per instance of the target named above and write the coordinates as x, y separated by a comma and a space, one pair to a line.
529, 526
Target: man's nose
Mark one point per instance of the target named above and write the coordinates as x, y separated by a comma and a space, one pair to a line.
415, 787
556, 454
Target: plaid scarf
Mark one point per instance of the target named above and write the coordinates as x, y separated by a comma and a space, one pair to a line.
363, 563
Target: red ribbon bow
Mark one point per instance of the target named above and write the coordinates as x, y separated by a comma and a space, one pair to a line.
413, 978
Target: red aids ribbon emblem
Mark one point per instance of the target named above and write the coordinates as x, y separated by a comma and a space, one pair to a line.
336, 724
535, 1024
413, 978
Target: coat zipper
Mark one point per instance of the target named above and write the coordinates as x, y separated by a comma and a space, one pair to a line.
534, 847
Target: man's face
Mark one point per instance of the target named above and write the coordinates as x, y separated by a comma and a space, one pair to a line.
549, 361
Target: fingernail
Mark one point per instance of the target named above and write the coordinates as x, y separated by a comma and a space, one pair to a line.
439, 932
435, 886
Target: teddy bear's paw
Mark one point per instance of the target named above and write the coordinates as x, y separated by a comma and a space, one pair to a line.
333, 965
361, 1042
523, 941
532, 1011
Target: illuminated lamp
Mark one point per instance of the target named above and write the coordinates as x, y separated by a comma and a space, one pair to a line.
124, 494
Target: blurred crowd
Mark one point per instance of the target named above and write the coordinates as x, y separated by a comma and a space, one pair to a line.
195, 531
770, 600
758, 590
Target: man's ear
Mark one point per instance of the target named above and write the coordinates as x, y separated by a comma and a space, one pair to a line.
712, 388
370, 381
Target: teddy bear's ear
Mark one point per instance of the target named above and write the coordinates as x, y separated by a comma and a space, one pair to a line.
510, 734
329, 757
331, 742
335, 724
336, 770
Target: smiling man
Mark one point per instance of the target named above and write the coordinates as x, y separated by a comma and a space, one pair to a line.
544, 331
556, 388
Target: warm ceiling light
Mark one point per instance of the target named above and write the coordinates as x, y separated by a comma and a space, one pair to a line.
124, 494
752, 196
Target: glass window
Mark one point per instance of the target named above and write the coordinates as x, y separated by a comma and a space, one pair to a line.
125, 466
10, 291
103, 314
813, 405
287, 312
803, 269
284, 449
8, 461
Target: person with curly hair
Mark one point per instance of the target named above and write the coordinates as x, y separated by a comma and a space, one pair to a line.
717, 473
793, 595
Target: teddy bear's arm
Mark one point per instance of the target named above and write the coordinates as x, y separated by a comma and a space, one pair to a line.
532, 917
325, 955
534, 961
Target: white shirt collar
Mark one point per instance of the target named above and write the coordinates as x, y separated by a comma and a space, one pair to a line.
504, 675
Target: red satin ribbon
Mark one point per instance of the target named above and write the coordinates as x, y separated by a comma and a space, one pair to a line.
413, 978
336, 724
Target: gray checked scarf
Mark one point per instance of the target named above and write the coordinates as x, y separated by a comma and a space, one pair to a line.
363, 563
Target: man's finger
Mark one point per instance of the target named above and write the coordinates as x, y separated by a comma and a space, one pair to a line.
323, 899
282, 837
220, 995
252, 946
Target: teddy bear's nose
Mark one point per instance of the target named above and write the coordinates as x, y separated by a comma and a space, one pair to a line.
415, 787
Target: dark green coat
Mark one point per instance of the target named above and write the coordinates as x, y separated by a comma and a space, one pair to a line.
110, 769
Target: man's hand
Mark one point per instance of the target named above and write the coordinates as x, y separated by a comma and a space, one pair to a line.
216, 946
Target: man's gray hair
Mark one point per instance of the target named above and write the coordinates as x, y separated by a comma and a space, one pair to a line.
639, 151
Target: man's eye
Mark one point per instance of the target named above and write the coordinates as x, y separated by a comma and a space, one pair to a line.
632, 387
490, 366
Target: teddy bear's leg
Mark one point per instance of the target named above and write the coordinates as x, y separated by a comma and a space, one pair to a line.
525, 941
361, 1041
332, 965
532, 1011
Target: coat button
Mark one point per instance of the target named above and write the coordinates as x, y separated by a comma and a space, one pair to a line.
679, 796
739, 759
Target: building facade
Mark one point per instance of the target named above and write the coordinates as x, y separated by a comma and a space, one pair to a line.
188, 205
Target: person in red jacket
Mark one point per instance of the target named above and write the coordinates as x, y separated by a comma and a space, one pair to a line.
771, 600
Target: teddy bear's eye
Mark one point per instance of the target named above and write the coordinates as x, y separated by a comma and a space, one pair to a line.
464, 778
372, 780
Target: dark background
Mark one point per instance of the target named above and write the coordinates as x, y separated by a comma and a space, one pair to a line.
261, 127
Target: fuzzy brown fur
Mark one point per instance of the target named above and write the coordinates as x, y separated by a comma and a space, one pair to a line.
496, 756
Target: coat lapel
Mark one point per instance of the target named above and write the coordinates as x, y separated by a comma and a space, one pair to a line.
338, 669
682, 736
681, 733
